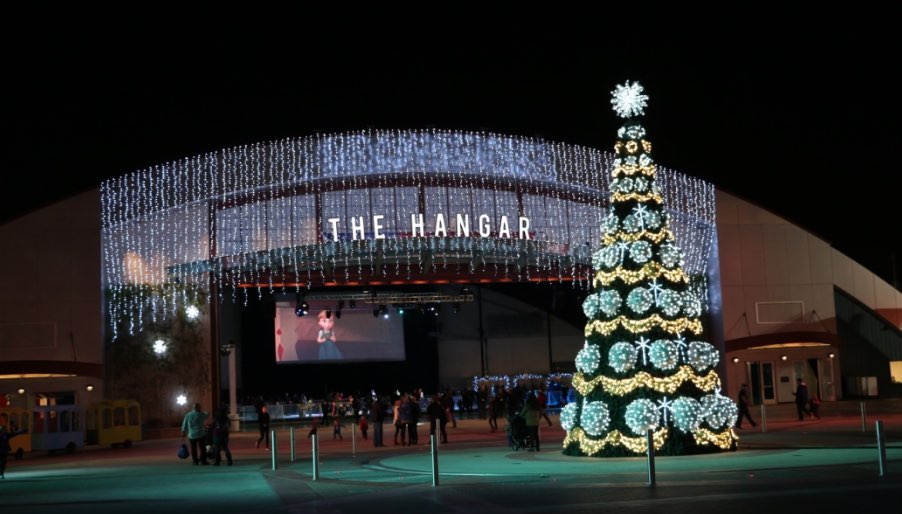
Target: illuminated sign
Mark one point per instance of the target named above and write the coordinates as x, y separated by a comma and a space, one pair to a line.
483, 227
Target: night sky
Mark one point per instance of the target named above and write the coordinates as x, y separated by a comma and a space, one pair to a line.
800, 117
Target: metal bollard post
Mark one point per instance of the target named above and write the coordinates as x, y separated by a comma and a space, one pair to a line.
291, 443
274, 451
650, 440
763, 419
433, 441
864, 418
881, 447
353, 439
314, 453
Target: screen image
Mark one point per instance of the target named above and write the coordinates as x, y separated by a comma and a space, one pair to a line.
322, 335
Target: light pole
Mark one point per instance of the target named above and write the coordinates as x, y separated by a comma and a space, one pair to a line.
229, 351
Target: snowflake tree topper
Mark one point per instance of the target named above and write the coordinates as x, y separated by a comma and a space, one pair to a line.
628, 100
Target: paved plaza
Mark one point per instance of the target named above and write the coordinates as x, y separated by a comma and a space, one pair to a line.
828, 465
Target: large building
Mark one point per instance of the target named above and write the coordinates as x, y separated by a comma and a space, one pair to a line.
489, 239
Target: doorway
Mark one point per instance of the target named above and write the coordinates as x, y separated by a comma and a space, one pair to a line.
762, 382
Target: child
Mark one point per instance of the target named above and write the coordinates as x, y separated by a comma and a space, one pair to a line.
813, 405
336, 429
363, 426
314, 424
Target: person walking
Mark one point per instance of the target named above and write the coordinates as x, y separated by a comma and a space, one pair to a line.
543, 405
364, 426
400, 425
5, 447
221, 437
436, 413
336, 428
193, 428
532, 413
263, 425
801, 398
378, 413
744, 412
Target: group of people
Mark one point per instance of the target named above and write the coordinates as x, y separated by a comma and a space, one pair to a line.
194, 427
806, 406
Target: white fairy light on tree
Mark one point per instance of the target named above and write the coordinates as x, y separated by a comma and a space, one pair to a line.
675, 406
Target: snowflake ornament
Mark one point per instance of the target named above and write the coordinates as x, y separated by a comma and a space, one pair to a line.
628, 100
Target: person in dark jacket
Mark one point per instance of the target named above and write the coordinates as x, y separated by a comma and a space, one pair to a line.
221, 437
744, 411
378, 413
5, 447
801, 398
263, 424
436, 413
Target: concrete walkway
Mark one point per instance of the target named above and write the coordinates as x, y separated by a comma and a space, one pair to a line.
826, 463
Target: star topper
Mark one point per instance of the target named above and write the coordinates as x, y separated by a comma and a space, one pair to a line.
628, 100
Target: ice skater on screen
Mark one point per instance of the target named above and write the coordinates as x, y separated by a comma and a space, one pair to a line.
326, 337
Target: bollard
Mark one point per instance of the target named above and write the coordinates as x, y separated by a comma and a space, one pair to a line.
274, 452
881, 447
314, 453
650, 440
433, 441
763, 419
353, 439
864, 418
291, 443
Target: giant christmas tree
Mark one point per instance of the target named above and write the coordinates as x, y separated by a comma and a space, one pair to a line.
645, 365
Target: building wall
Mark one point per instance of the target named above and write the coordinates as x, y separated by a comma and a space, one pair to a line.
50, 292
778, 278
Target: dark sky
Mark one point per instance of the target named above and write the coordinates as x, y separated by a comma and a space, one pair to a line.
796, 116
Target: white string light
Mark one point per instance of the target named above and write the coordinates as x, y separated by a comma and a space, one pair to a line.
248, 215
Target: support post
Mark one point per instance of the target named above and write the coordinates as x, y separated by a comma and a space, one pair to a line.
864, 418
274, 452
291, 443
881, 447
763, 419
650, 439
433, 442
314, 453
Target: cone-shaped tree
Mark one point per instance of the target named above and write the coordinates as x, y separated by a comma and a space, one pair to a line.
645, 365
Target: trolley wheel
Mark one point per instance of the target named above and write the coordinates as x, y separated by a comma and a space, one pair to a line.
20, 453
70, 447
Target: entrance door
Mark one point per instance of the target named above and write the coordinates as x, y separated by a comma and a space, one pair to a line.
763, 386
768, 383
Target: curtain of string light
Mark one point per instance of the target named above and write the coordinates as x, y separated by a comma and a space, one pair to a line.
248, 214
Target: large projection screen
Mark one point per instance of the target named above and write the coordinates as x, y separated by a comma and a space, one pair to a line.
351, 336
